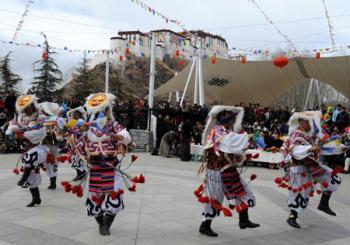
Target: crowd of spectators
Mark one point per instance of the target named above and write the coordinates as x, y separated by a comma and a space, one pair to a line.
186, 123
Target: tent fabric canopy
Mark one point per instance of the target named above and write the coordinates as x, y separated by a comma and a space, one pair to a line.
231, 82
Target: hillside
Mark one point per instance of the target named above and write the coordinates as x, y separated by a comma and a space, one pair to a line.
128, 80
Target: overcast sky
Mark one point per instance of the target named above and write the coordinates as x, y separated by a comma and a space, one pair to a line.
88, 24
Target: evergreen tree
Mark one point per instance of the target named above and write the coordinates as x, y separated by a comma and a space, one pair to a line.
82, 79
49, 75
8, 79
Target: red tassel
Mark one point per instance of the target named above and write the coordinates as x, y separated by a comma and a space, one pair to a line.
256, 156
278, 180
318, 192
295, 190
300, 188
15, 171
244, 206
289, 188
238, 209
311, 194
114, 195
336, 171
285, 179
135, 179
303, 174
253, 177
325, 184
67, 188
231, 206
141, 179
248, 156
283, 185
132, 188
227, 212
202, 199
307, 185
80, 193
199, 190
75, 189
134, 158
94, 199
50, 158
64, 183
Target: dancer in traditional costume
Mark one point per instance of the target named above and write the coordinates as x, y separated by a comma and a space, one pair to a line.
225, 152
102, 146
31, 124
303, 170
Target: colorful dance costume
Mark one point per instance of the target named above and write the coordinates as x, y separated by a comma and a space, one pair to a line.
103, 145
31, 124
302, 168
225, 153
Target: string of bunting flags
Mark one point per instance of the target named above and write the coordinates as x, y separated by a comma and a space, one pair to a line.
330, 25
20, 23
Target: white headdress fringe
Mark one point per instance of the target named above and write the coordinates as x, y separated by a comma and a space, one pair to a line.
314, 118
79, 109
211, 120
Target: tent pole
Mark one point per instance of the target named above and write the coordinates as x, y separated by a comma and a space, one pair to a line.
170, 95
195, 99
308, 94
201, 84
318, 93
177, 93
187, 82
151, 78
107, 73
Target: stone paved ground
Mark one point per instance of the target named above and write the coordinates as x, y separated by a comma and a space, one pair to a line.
163, 211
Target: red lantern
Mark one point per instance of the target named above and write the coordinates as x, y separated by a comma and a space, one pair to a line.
177, 53
121, 58
244, 59
43, 55
318, 55
213, 60
126, 52
280, 61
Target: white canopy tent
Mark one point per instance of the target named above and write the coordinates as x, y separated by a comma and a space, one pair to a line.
230, 82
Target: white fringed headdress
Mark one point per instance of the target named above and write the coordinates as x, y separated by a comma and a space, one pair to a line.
314, 118
79, 109
107, 103
211, 120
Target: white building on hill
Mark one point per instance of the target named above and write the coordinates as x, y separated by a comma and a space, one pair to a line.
183, 44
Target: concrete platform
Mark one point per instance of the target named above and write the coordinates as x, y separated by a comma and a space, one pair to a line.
163, 211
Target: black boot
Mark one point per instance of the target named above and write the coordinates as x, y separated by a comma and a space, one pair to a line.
205, 229
324, 203
244, 221
52, 185
25, 175
99, 220
106, 224
80, 175
35, 197
292, 219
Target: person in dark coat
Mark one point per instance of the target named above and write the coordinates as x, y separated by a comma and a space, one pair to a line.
342, 120
185, 140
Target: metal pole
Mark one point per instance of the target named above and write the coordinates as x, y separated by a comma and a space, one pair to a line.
201, 84
151, 78
177, 96
188, 81
195, 94
308, 94
318, 92
107, 74
170, 95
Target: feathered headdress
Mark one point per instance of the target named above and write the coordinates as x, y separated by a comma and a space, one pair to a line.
212, 121
314, 118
